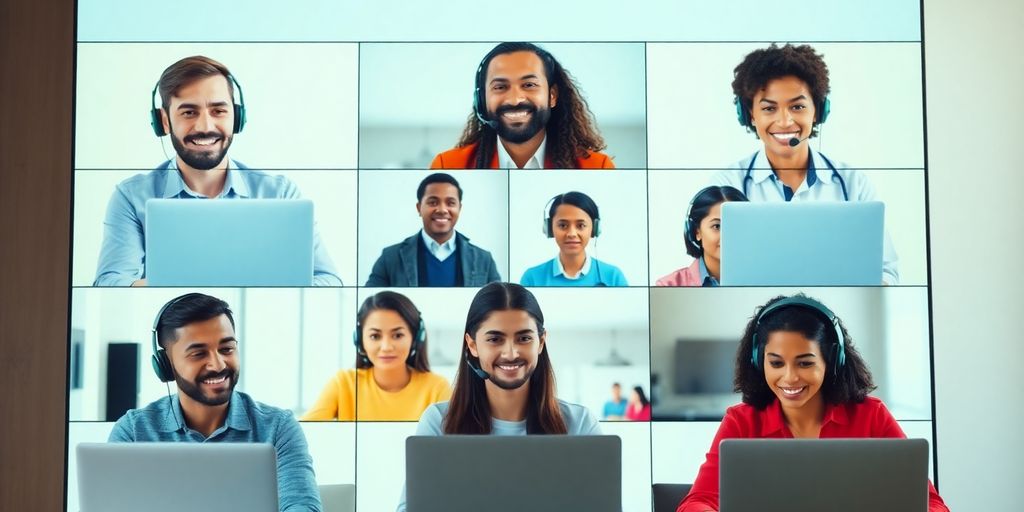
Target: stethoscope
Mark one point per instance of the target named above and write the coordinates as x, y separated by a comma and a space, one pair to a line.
835, 175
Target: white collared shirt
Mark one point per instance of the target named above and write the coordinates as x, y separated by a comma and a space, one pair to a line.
560, 270
535, 162
440, 251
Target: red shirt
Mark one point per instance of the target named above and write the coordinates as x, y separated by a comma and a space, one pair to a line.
867, 419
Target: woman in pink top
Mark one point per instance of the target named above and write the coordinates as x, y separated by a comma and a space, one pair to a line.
703, 235
639, 407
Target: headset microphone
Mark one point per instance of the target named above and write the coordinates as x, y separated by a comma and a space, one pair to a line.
478, 371
794, 142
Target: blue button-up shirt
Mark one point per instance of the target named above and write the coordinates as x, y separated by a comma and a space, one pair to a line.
248, 421
122, 258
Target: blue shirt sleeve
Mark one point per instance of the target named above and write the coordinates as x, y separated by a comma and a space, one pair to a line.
296, 483
123, 252
122, 432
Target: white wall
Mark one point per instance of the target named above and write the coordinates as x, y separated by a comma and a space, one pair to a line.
972, 52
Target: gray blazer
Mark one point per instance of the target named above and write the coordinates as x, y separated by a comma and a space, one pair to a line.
397, 265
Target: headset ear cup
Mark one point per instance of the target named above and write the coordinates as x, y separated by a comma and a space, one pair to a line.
157, 122
597, 228
162, 366
826, 107
239, 119
741, 113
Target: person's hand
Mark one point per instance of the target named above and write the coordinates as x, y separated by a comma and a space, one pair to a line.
139, 282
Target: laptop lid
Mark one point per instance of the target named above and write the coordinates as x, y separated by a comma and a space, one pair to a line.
513, 473
171, 477
802, 244
838, 475
229, 242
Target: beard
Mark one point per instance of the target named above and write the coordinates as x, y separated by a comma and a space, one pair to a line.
193, 390
201, 160
510, 385
518, 135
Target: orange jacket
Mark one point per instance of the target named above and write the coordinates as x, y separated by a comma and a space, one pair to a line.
459, 158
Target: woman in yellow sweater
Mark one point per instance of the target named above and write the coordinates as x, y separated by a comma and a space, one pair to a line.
392, 379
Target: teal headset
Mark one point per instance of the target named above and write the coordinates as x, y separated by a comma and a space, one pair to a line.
811, 305
161, 363
549, 230
239, 109
417, 341
821, 112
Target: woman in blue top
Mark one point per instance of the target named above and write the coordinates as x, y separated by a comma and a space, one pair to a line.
572, 220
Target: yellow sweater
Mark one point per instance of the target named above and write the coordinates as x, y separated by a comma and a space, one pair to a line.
348, 387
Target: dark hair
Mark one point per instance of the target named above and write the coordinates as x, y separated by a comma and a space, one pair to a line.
400, 304
571, 131
188, 309
577, 199
851, 383
643, 397
701, 205
437, 177
188, 70
762, 66
469, 411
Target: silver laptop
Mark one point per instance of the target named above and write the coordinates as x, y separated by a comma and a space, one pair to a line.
802, 244
172, 477
553, 473
837, 475
229, 242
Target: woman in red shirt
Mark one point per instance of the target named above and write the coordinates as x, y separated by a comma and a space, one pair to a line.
639, 407
800, 377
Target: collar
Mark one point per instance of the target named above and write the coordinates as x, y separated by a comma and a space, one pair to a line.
818, 169
173, 418
558, 269
535, 162
432, 244
174, 184
773, 420
706, 279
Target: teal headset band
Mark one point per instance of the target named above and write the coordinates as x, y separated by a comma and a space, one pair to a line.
237, 106
821, 113
806, 303
549, 230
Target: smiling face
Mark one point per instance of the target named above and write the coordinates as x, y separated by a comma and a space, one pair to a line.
794, 369
572, 229
783, 110
205, 360
386, 339
200, 119
508, 346
709, 233
439, 210
518, 96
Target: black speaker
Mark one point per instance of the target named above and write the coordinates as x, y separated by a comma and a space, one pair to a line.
122, 379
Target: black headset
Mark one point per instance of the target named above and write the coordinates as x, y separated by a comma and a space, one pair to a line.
157, 122
549, 230
161, 363
809, 304
479, 93
690, 237
418, 340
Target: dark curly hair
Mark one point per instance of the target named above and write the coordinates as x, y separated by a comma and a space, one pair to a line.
851, 383
762, 66
571, 132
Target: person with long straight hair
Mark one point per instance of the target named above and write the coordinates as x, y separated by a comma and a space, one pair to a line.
392, 380
505, 384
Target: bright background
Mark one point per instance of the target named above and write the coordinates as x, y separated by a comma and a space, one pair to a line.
621, 202
300, 103
875, 120
415, 98
334, 210
388, 215
902, 192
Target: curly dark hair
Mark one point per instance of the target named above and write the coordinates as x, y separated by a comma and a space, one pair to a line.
572, 132
851, 383
761, 66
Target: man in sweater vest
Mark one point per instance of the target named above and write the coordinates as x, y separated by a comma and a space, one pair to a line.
437, 255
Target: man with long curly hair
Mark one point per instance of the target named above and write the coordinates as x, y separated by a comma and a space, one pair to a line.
527, 114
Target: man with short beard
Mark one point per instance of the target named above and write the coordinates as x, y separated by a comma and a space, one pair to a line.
194, 345
527, 114
199, 112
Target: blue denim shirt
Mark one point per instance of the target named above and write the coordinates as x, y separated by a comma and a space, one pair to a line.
248, 421
122, 258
